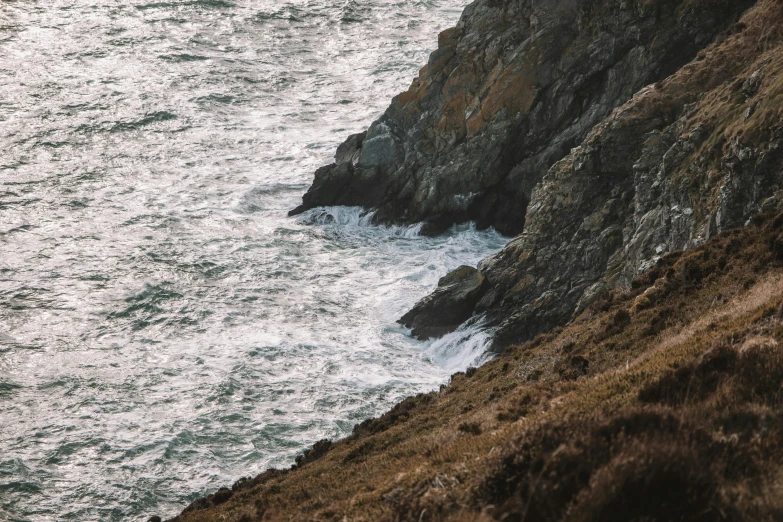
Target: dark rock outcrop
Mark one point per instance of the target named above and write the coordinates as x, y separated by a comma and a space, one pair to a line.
449, 306
696, 154
509, 92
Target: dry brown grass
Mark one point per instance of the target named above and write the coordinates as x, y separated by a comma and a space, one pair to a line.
583, 423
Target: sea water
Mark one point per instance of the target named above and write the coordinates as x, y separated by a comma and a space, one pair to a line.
165, 328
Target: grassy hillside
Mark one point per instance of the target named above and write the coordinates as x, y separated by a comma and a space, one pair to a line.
659, 403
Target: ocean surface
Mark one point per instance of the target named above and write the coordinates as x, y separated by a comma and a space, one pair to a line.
165, 328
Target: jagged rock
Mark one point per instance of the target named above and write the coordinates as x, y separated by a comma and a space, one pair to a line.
449, 306
677, 164
509, 92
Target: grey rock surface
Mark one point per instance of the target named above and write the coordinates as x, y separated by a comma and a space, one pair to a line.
454, 300
509, 92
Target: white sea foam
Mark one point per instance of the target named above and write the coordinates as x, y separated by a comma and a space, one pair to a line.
356, 217
467, 346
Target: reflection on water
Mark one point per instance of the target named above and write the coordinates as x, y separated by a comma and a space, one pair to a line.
164, 327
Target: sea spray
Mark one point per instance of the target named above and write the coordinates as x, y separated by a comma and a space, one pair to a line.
466, 347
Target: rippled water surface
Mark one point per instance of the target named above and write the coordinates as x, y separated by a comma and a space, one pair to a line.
164, 327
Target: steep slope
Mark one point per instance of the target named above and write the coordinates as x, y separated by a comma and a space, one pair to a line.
660, 403
510, 91
684, 159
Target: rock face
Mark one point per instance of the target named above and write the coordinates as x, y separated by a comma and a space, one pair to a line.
695, 154
509, 92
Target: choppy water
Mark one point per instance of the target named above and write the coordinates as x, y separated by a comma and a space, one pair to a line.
164, 327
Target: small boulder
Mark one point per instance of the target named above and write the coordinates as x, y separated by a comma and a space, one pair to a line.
450, 305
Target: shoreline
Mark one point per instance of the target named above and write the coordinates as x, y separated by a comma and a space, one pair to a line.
630, 273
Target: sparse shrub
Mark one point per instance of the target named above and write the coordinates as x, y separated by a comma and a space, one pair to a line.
776, 246
658, 480
755, 374
642, 302
399, 413
639, 464
517, 410
471, 428
693, 268
318, 450
694, 381
572, 367
621, 319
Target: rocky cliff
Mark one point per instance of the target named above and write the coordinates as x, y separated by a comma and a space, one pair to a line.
603, 133
510, 91
684, 159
